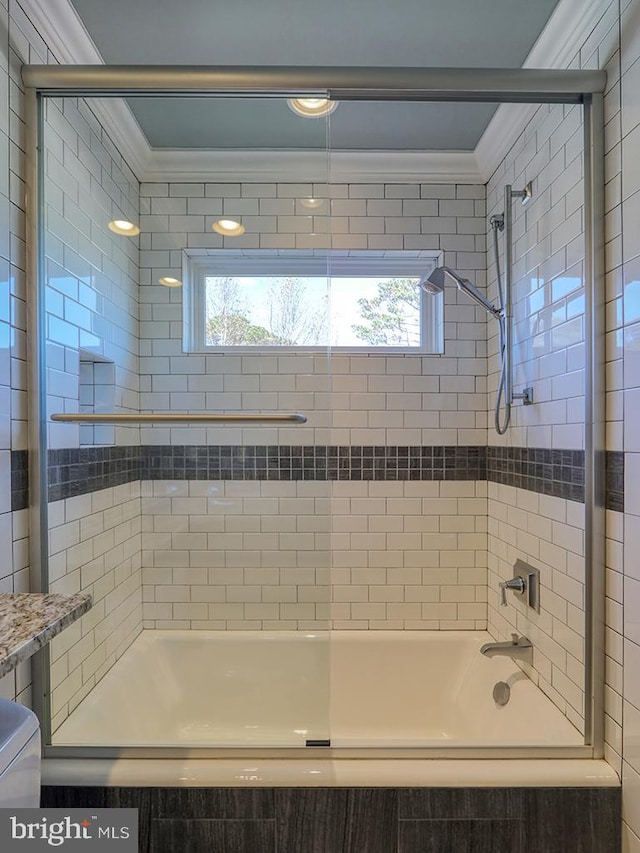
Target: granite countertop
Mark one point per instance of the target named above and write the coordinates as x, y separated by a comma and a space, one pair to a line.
28, 620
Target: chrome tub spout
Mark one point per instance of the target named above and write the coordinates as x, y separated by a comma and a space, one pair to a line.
519, 648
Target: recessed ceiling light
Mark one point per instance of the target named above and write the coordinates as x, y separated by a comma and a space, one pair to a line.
312, 203
228, 227
123, 227
170, 281
312, 107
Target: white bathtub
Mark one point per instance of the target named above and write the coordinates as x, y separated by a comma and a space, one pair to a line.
419, 702
360, 689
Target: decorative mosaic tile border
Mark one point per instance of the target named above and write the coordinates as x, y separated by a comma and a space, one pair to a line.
78, 471
88, 469
220, 462
615, 480
559, 473
19, 479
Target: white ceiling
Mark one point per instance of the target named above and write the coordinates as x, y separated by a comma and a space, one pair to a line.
412, 33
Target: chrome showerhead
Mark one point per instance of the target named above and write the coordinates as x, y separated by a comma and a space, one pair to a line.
434, 283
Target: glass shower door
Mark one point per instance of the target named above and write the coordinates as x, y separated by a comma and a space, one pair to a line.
197, 307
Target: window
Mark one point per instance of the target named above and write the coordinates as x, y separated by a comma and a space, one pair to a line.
266, 301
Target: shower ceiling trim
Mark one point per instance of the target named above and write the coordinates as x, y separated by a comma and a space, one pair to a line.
393, 167
60, 25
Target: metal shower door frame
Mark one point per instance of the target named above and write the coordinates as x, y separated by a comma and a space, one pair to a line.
527, 86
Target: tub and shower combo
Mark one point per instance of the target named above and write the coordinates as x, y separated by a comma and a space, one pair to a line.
296, 561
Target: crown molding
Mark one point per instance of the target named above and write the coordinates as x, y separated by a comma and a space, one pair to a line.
436, 167
119, 122
68, 40
500, 135
66, 36
566, 31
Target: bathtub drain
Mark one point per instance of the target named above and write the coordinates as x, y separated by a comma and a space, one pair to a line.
501, 693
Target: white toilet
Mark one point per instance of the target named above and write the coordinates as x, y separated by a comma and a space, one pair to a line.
19, 757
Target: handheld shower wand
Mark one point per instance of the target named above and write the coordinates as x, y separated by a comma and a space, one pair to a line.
434, 283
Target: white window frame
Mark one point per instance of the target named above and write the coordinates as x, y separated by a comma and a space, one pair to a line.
196, 268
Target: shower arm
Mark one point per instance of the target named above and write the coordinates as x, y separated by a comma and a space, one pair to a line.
178, 418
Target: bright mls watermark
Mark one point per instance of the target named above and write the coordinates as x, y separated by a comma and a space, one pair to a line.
69, 829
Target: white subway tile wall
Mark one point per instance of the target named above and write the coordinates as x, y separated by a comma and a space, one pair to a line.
348, 399
13, 410
548, 354
313, 555
614, 46
547, 533
396, 400
15, 578
548, 347
548, 281
91, 273
623, 316
19, 43
92, 311
92, 304
94, 547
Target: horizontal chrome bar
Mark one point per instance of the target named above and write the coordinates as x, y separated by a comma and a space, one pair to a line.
350, 83
181, 418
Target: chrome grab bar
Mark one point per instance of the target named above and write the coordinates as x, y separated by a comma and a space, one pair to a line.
182, 418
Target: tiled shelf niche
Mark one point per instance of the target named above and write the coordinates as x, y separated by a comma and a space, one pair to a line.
96, 394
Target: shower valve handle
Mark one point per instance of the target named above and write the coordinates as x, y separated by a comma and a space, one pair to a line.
517, 584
